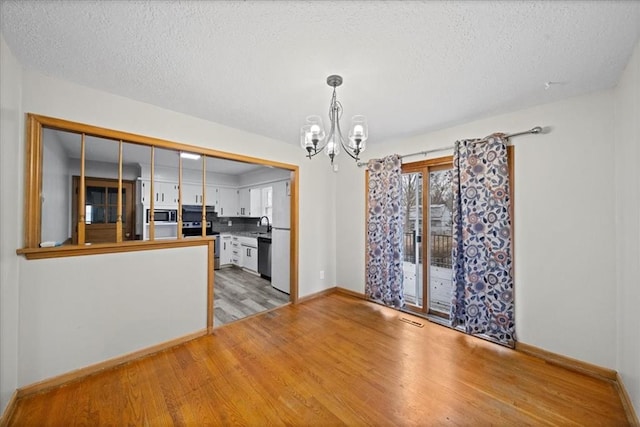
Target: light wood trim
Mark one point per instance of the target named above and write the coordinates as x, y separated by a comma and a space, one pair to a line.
366, 229
632, 417
33, 183
350, 293
568, 362
315, 295
119, 201
179, 196
116, 135
9, 410
33, 170
429, 163
82, 195
109, 248
203, 198
152, 223
210, 283
33, 188
293, 243
511, 165
87, 371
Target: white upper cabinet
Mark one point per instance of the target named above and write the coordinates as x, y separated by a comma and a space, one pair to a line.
227, 202
255, 202
165, 194
211, 193
244, 202
192, 194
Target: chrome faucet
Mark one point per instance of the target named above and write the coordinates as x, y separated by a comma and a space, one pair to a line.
268, 225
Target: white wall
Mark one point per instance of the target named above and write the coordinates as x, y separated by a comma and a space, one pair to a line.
564, 222
68, 323
627, 192
11, 178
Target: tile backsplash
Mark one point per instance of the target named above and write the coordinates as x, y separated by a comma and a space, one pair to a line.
221, 224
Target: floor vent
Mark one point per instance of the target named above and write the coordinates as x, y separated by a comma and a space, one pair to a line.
412, 322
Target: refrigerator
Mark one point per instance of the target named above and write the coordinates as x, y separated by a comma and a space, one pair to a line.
281, 236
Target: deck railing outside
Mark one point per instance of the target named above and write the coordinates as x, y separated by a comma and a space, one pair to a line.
440, 245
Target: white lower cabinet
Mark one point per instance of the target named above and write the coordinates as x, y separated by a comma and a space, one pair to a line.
226, 252
236, 251
250, 257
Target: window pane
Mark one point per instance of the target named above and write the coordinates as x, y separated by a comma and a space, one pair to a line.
94, 214
440, 240
95, 196
113, 196
412, 265
113, 214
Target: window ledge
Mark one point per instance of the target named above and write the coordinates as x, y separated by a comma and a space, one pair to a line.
111, 248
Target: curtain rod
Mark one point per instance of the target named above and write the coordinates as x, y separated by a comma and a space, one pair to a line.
534, 130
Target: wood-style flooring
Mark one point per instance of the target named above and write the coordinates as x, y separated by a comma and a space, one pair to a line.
238, 294
333, 360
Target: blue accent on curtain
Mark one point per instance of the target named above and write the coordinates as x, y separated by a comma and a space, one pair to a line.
384, 232
482, 262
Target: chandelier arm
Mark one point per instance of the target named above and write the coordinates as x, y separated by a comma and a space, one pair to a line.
318, 151
346, 149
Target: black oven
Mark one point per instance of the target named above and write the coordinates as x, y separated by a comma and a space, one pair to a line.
163, 215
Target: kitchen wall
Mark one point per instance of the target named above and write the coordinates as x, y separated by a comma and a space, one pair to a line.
36, 93
11, 193
565, 278
627, 220
56, 191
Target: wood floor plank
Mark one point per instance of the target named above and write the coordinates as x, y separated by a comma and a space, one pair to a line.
334, 360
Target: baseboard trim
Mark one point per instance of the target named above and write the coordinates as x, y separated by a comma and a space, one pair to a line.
87, 371
9, 410
349, 292
632, 417
316, 295
568, 362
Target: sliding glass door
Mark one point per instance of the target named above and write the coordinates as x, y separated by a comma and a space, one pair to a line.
428, 236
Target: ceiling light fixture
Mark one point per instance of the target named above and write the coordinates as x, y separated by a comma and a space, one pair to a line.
190, 156
312, 134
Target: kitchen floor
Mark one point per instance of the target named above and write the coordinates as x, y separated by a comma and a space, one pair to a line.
238, 294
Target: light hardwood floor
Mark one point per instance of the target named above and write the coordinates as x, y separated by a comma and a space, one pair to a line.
334, 360
238, 294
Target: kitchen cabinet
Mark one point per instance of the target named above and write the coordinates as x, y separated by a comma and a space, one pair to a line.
255, 202
165, 194
227, 201
236, 251
226, 249
211, 193
249, 246
244, 202
192, 194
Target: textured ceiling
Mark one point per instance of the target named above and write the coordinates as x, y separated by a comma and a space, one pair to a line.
261, 66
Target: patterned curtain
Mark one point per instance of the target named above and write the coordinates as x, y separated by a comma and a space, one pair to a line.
384, 233
482, 266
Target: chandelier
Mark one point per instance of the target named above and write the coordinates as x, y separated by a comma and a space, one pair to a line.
314, 140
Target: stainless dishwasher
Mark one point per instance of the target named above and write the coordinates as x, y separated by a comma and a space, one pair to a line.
264, 257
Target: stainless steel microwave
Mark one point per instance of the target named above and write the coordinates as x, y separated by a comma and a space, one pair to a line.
163, 215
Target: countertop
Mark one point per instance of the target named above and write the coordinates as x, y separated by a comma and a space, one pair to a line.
247, 234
